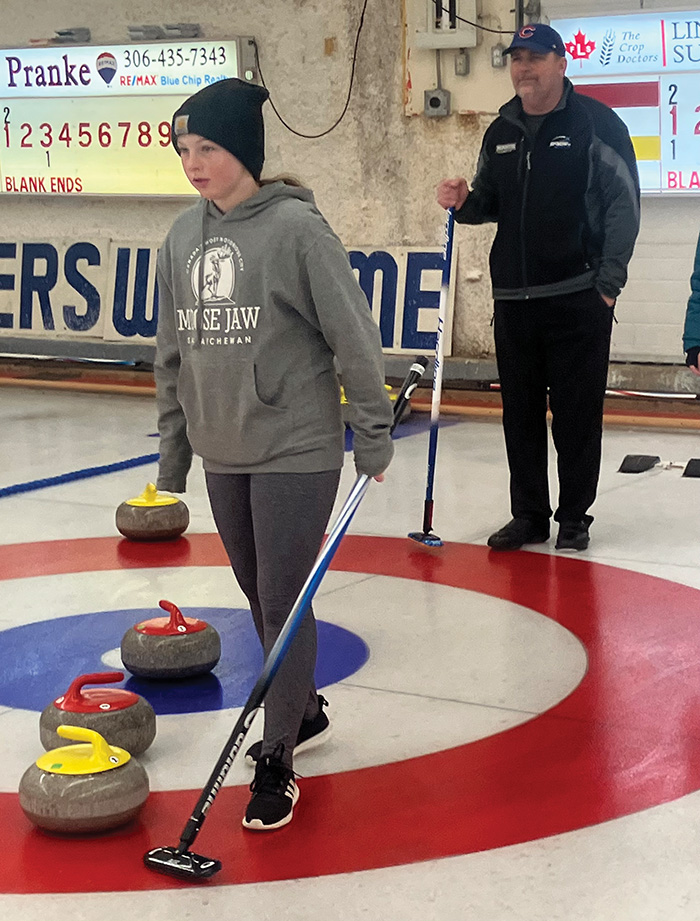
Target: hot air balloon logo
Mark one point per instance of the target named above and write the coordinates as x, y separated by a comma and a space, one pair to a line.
106, 66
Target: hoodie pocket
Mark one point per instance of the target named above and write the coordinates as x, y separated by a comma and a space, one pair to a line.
269, 388
227, 420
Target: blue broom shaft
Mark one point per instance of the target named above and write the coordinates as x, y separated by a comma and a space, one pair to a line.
272, 664
330, 545
286, 635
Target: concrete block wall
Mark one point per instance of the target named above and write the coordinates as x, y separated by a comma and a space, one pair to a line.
651, 310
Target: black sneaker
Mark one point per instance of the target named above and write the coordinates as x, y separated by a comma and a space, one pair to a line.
573, 535
517, 532
275, 794
311, 733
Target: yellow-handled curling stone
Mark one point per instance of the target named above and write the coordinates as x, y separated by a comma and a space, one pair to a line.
124, 719
83, 788
152, 516
171, 647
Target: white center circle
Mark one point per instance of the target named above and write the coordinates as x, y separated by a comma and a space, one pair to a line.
113, 659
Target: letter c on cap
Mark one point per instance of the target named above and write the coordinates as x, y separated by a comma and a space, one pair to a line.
526, 32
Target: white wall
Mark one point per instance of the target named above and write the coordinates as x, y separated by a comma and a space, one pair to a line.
374, 176
651, 310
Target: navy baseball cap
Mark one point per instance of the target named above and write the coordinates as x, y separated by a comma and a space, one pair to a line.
539, 38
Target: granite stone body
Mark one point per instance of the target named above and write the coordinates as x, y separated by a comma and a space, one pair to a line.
168, 657
77, 804
132, 728
160, 522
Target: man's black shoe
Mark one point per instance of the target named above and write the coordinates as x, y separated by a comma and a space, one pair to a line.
573, 535
517, 532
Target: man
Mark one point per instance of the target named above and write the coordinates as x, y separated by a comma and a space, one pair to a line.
557, 173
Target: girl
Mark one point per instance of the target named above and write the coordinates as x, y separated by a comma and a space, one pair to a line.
256, 298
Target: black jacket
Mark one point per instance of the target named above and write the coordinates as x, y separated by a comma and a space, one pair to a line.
566, 200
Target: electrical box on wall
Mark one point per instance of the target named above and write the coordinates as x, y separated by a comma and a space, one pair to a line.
447, 25
437, 103
463, 64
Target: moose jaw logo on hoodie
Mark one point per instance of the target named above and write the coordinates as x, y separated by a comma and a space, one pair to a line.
218, 278
213, 286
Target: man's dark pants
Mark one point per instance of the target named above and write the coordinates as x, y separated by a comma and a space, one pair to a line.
557, 347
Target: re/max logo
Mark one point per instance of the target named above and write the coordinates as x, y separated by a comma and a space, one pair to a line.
62, 74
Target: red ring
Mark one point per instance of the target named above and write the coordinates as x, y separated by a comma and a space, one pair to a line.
624, 740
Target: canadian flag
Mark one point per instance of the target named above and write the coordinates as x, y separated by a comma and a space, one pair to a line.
580, 48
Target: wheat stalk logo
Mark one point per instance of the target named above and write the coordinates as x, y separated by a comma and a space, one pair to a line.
607, 48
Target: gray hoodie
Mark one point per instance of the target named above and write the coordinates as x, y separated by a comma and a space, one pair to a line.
246, 339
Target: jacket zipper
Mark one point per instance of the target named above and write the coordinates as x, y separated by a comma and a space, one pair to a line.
526, 183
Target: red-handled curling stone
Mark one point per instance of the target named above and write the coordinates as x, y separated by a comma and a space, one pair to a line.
83, 788
123, 718
171, 647
152, 516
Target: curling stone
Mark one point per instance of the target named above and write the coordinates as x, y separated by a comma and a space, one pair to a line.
171, 647
83, 788
152, 516
122, 717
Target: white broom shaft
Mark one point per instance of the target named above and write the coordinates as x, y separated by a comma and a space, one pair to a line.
442, 317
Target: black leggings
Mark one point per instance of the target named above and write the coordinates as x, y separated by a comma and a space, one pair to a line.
556, 347
272, 526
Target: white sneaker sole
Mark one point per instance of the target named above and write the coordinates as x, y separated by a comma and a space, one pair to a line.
318, 739
257, 825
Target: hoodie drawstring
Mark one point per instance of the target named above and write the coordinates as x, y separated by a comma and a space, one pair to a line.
200, 282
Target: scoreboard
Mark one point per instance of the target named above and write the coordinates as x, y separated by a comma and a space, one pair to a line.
647, 68
95, 120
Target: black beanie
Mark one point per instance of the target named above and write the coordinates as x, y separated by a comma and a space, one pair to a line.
229, 113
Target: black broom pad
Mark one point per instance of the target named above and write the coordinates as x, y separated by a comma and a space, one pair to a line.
638, 463
692, 468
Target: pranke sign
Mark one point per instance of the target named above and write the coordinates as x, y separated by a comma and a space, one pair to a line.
640, 44
160, 68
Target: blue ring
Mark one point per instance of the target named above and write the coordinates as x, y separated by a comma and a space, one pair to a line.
41, 659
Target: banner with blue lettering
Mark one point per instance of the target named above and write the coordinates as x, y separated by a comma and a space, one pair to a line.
106, 290
53, 289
